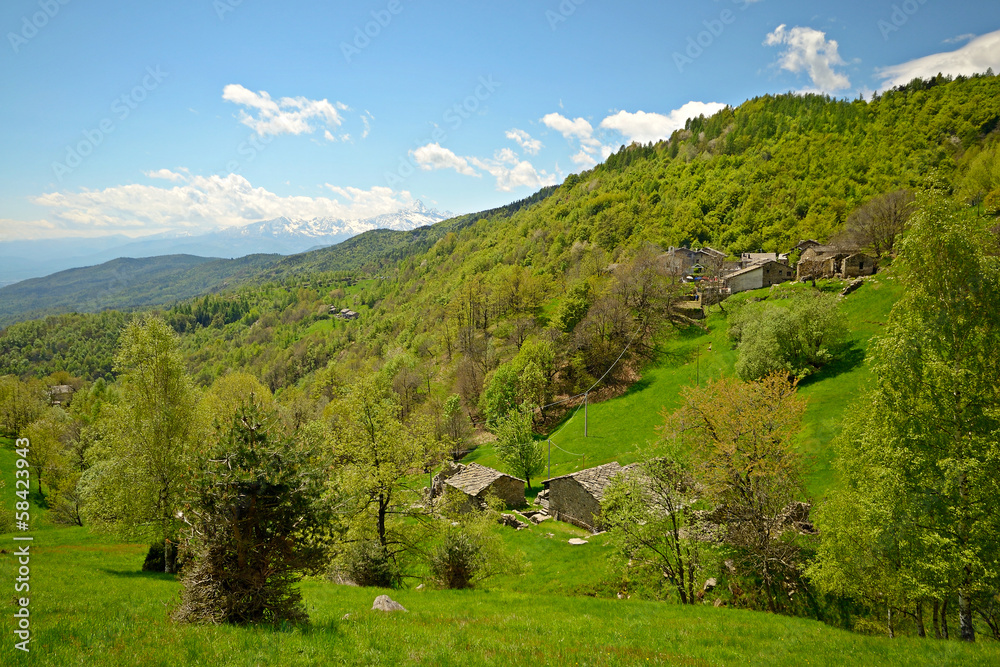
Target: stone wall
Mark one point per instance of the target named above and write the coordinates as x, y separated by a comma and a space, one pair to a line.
775, 273
570, 502
508, 489
858, 265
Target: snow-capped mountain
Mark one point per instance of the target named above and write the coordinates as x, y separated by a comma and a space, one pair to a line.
284, 236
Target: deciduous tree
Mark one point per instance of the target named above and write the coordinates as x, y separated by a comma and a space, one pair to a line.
920, 465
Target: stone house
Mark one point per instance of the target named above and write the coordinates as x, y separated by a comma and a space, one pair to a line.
758, 276
576, 498
60, 394
828, 261
343, 313
684, 260
749, 259
477, 481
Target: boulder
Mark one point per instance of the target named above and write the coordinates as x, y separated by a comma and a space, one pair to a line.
538, 518
718, 603
512, 521
852, 286
710, 584
577, 541
385, 603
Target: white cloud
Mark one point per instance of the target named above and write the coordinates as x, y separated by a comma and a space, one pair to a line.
810, 51
166, 175
975, 57
511, 172
646, 127
12, 230
584, 160
579, 129
524, 140
288, 115
201, 203
958, 39
434, 156
329, 135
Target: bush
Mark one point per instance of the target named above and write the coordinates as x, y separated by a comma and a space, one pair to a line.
794, 335
457, 561
368, 563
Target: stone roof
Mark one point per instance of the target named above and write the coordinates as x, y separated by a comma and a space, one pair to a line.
475, 478
827, 250
594, 480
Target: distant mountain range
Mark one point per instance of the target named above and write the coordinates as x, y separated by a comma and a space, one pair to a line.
21, 260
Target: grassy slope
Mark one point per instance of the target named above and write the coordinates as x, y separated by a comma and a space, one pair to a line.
620, 428
90, 605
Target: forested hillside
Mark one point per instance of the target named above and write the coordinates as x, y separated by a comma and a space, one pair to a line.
775, 170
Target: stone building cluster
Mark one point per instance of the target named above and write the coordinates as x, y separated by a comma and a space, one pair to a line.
343, 313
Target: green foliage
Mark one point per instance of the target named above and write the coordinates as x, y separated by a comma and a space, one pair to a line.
369, 563
456, 561
914, 519
143, 457
572, 308
740, 436
377, 453
649, 513
795, 334
500, 396
255, 519
516, 446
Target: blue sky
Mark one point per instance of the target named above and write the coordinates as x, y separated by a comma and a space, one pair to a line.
145, 117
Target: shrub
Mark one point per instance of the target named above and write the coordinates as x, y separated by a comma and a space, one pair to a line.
368, 563
456, 561
794, 335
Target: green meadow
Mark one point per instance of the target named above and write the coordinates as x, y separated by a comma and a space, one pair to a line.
622, 428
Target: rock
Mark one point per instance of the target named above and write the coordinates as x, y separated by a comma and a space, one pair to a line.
512, 521
538, 518
718, 603
853, 285
345, 617
577, 540
385, 603
710, 584
420, 586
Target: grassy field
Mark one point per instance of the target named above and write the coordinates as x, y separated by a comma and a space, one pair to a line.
91, 605
619, 429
